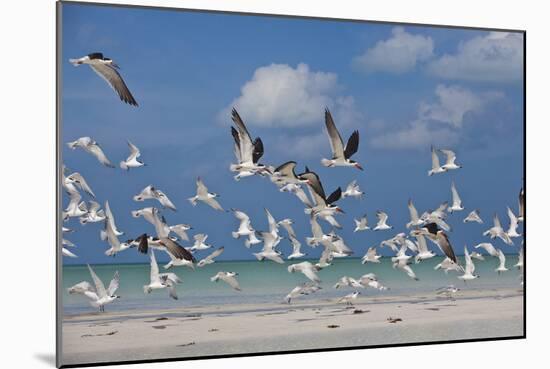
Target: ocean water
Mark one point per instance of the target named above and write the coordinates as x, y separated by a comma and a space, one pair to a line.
268, 282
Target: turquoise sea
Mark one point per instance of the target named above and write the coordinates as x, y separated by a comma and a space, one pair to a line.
268, 282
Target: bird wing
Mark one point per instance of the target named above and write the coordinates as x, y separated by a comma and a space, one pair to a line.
202, 190
110, 217
134, 151
114, 79
96, 151
435, 159
81, 287
99, 286
336, 143
446, 247
286, 169
177, 250
273, 227
164, 200
232, 281
246, 146
335, 196
113, 286
352, 145
470, 267
521, 203
413, 212
451, 156
501, 258
215, 253
258, 150
82, 183
382, 217
456, 198
154, 268
213, 203
422, 245
496, 221
310, 273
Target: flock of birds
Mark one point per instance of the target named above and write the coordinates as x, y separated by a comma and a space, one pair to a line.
306, 186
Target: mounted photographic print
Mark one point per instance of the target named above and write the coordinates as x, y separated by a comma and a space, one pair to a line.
241, 184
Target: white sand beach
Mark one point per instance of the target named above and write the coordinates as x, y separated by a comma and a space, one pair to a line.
305, 324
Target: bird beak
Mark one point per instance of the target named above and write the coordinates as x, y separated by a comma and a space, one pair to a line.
340, 211
358, 166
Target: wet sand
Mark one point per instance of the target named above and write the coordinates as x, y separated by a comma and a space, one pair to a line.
307, 323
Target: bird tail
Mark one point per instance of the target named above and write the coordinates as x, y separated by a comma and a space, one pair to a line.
326, 162
110, 252
258, 256
193, 201
236, 235
103, 235
75, 62
123, 165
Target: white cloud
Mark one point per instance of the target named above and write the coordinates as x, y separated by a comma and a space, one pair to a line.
398, 54
279, 95
496, 57
438, 122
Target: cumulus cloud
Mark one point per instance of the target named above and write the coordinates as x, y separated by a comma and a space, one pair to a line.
398, 54
496, 57
280, 95
438, 122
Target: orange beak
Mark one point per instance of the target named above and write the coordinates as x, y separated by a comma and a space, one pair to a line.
358, 166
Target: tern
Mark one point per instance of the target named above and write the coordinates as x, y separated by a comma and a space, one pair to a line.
340, 155
150, 192
111, 220
488, 247
318, 236
200, 242
161, 280
181, 230
66, 252
469, 268
245, 226
98, 295
382, 219
76, 181
346, 281
448, 291
371, 256
423, 251
477, 255
94, 214
436, 167
112, 239
75, 208
132, 160
371, 280
349, 299
457, 202
361, 224
512, 229
106, 68
497, 231
307, 269
502, 262
415, 220
473, 217
353, 190
152, 215
296, 245
448, 265
210, 258
450, 161
91, 147
248, 152
229, 278
203, 195
304, 289
268, 251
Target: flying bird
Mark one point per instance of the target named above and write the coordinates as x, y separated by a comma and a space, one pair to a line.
488, 247
296, 245
341, 156
248, 152
150, 192
161, 280
450, 161
203, 195
513, 228
469, 269
132, 160
436, 166
229, 278
502, 262
210, 258
382, 221
371, 256
307, 269
521, 212
301, 290
353, 190
99, 296
200, 242
497, 231
92, 147
361, 224
415, 220
346, 281
473, 217
457, 202
106, 68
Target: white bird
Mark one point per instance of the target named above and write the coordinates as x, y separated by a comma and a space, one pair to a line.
200, 242
473, 217
423, 251
488, 247
371, 280
179, 256
65, 251
75, 208
382, 219
181, 230
229, 278
307, 269
349, 299
75, 181
112, 239
502, 262
469, 269
346, 281
404, 266
150, 192
477, 255
111, 220
210, 258
245, 226
106, 68
341, 156
512, 229
519, 264
361, 224
436, 167
497, 231
438, 237
268, 251
91, 147
457, 202
152, 215
353, 190
203, 195
285, 174
371, 256
161, 280
521, 210
94, 214
450, 162
296, 245
318, 236
415, 220
448, 265
132, 160
448, 291
98, 295
247, 152
301, 290
297, 190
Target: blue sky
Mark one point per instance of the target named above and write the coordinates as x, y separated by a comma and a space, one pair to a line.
404, 88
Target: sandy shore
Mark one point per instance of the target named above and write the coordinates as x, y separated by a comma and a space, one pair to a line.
305, 324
